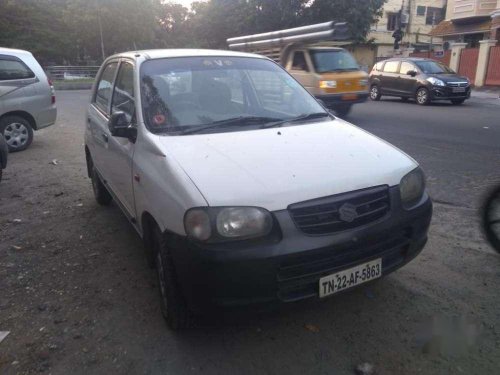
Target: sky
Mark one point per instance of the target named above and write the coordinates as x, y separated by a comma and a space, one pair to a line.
186, 3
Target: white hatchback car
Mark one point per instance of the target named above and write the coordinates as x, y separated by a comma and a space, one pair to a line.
27, 98
243, 187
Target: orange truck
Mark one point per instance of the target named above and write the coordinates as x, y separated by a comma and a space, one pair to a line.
309, 54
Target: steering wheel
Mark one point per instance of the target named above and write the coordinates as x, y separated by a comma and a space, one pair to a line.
491, 218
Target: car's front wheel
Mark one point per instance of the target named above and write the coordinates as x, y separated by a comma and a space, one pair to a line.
17, 132
457, 101
423, 96
375, 93
173, 305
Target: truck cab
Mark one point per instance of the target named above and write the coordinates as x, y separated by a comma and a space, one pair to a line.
331, 74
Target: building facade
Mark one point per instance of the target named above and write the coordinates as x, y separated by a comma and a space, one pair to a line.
469, 21
415, 18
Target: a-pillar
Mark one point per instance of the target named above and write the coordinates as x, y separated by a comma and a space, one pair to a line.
456, 49
482, 61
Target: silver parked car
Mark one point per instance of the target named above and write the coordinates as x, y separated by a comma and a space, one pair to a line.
27, 99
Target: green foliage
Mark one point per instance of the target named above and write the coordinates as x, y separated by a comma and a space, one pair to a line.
67, 31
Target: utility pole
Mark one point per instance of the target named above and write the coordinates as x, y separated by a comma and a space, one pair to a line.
432, 41
100, 31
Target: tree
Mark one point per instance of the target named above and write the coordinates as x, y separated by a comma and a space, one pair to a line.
359, 17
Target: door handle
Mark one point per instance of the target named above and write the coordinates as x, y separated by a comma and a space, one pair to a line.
105, 137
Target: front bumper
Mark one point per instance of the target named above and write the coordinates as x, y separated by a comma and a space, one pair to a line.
446, 93
347, 98
288, 268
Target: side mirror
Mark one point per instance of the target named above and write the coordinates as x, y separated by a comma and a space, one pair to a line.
412, 73
119, 126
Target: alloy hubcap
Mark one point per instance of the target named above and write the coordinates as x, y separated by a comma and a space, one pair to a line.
422, 96
16, 135
374, 92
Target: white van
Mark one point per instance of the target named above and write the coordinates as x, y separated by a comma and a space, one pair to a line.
27, 99
244, 188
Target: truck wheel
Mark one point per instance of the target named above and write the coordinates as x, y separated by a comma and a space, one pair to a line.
173, 304
17, 132
101, 194
375, 93
343, 110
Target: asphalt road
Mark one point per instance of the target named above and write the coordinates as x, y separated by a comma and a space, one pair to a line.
77, 296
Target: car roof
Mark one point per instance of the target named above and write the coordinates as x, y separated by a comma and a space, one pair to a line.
14, 52
407, 59
183, 52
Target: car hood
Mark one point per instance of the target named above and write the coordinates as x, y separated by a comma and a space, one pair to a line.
273, 168
449, 77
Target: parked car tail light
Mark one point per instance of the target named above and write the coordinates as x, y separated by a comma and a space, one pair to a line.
53, 94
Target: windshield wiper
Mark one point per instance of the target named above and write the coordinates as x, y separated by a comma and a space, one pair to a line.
234, 121
304, 117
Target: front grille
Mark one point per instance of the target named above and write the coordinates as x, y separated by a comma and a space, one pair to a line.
457, 84
341, 212
298, 275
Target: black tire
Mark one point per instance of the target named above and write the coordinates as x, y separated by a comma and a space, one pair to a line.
489, 219
101, 194
375, 93
17, 132
173, 304
457, 101
423, 96
343, 111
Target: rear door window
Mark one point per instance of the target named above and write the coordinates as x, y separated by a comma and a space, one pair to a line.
11, 68
391, 67
406, 67
104, 87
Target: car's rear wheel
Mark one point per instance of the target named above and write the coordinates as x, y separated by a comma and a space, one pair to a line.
101, 194
457, 101
422, 96
173, 305
17, 132
375, 93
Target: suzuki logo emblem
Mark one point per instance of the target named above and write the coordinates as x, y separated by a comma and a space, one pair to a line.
348, 213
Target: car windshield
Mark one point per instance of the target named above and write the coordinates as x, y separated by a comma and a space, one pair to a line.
433, 67
196, 94
333, 61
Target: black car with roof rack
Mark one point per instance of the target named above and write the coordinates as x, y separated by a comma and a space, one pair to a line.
425, 80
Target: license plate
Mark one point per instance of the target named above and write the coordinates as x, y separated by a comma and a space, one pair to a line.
349, 97
346, 279
458, 89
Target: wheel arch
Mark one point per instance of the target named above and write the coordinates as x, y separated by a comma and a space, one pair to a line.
25, 115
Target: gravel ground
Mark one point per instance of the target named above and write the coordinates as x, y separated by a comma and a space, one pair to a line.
77, 296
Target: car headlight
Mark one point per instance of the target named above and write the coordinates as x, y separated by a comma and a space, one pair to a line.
227, 223
363, 82
328, 84
412, 186
435, 81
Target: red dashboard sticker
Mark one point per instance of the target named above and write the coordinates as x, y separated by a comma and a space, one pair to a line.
159, 119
